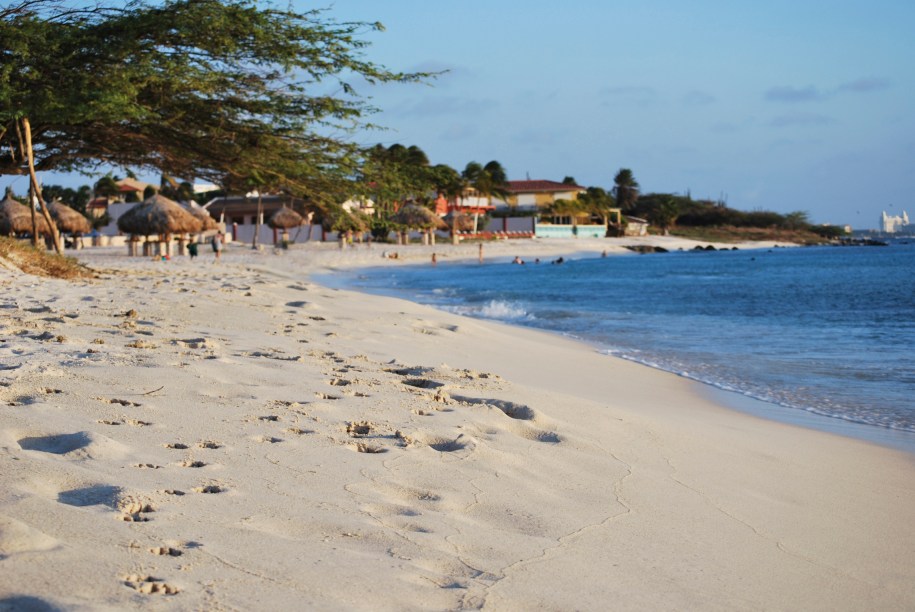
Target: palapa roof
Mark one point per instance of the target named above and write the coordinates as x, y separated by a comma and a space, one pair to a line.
158, 215
67, 219
16, 218
285, 218
459, 221
419, 217
208, 222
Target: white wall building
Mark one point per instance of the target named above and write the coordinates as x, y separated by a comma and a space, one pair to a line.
891, 225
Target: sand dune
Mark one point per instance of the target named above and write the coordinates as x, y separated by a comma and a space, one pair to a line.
195, 435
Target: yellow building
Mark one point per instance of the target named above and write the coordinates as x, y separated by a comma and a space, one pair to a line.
535, 195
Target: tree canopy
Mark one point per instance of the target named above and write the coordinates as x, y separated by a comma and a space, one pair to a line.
217, 89
626, 189
489, 180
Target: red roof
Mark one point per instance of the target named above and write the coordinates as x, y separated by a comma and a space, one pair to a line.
541, 187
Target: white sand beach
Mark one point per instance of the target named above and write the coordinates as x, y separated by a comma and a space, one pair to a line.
193, 435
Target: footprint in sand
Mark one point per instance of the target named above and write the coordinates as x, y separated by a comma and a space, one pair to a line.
92, 495
423, 383
121, 402
298, 431
372, 449
360, 429
510, 409
59, 444
444, 445
134, 510
149, 585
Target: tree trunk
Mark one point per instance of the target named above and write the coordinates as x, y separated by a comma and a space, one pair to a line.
55, 235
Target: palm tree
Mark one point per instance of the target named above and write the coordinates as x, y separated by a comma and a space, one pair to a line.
598, 202
626, 190
489, 180
567, 208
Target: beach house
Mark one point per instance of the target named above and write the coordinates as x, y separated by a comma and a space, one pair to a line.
540, 201
531, 195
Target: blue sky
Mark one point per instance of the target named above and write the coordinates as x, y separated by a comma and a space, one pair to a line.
780, 105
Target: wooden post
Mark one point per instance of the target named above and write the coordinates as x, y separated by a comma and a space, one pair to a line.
55, 235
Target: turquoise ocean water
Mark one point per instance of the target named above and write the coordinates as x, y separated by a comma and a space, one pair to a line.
820, 332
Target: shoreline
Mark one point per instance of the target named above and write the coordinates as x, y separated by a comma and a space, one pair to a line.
340, 450
734, 400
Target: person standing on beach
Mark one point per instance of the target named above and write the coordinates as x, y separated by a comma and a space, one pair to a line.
217, 244
481, 252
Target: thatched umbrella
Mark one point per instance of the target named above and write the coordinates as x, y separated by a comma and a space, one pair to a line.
419, 217
284, 219
158, 216
207, 221
16, 218
459, 222
67, 219
335, 218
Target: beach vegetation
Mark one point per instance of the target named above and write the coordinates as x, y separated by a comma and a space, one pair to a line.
77, 199
597, 202
24, 257
397, 174
663, 213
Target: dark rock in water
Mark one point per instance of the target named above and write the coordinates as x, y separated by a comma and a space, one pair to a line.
710, 248
644, 248
861, 242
